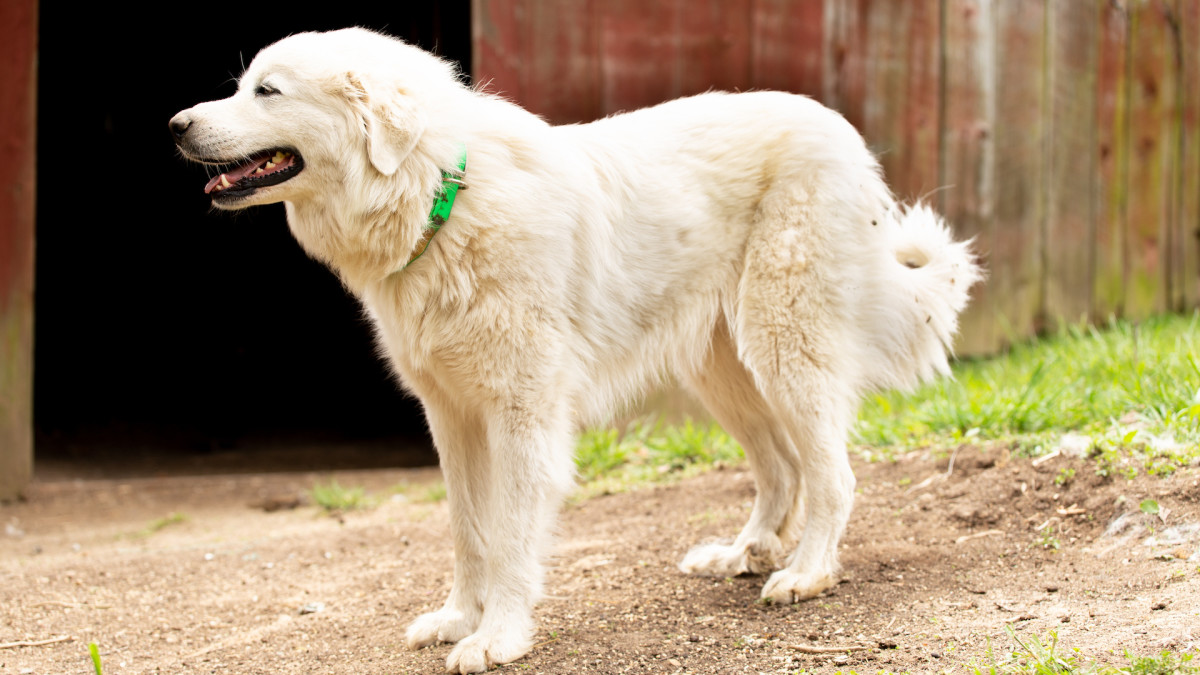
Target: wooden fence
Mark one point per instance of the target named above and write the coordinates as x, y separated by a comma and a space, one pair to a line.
18, 82
1064, 135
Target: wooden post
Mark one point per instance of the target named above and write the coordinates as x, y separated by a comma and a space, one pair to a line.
18, 89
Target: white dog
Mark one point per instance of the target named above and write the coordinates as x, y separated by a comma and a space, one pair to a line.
745, 243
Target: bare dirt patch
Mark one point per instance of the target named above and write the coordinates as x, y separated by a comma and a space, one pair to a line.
932, 571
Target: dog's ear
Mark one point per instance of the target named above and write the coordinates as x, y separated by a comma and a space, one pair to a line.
391, 120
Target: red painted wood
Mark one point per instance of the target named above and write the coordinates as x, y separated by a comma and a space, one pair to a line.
1151, 100
562, 53
1073, 156
639, 48
656, 51
1112, 162
967, 149
901, 111
1188, 12
714, 45
18, 93
845, 76
788, 46
1070, 222
498, 59
1015, 274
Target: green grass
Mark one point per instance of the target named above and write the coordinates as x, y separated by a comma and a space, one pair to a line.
609, 460
1038, 656
1132, 388
429, 494
1128, 386
94, 651
160, 524
334, 498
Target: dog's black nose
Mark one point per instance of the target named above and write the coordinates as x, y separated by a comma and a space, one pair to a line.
179, 126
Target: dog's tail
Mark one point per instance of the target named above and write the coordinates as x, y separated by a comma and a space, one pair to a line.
923, 283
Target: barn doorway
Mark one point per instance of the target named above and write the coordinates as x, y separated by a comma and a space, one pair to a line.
170, 338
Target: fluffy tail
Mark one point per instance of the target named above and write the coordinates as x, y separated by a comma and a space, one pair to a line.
923, 282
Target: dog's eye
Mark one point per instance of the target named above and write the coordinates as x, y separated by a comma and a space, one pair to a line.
265, 89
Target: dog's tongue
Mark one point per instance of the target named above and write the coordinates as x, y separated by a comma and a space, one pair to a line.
258, 165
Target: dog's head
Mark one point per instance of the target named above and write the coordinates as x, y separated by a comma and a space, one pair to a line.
314, 112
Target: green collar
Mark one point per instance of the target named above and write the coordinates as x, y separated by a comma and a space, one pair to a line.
440, 213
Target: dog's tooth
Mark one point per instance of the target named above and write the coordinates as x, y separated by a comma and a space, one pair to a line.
279, 157
224, 181
258, 170
270, 165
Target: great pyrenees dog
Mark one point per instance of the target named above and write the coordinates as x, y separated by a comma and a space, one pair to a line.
523, 279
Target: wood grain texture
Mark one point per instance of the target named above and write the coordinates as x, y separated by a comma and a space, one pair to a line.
1070, 202
1016, 273
901, 113
1063, 135
1151, 103
967, 152
1112, 162
1188, 12
18, 94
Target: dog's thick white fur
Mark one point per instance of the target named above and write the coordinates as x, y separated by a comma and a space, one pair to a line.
745, 243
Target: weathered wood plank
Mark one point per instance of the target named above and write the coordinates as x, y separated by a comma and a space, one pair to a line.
714, 46
845, 62
966, 162
788, 46
1070, 222
900, 116
639, 44
562, 70
544, 56
18, 93
1188, 13
1015, 260
1112, 162
497, 57
1151, 101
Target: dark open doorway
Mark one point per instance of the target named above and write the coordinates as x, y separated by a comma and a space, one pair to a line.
166, 332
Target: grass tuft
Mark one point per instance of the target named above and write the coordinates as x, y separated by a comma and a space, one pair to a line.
1133, 388
160, 524
609, 460
1035, 657
94, 651
333, 498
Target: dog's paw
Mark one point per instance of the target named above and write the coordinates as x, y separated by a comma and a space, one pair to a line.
481, 650
719, 560
786, 586
715, 560
444, 625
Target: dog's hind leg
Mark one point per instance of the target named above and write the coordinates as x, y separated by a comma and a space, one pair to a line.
729, 393
462, 449
794, 331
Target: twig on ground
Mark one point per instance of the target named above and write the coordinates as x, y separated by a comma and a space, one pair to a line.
813, 649
1046, 458
35, 643
937, 476
1072, 510
977, 535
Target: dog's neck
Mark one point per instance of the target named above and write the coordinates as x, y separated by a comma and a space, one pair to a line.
364, 238
443, 204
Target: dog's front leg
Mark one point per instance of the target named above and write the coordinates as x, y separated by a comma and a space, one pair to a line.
531, 471
462, 450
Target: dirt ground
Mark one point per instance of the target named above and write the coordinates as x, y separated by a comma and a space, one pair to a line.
935, 565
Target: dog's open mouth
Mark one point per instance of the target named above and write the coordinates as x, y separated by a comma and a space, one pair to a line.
269, 167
